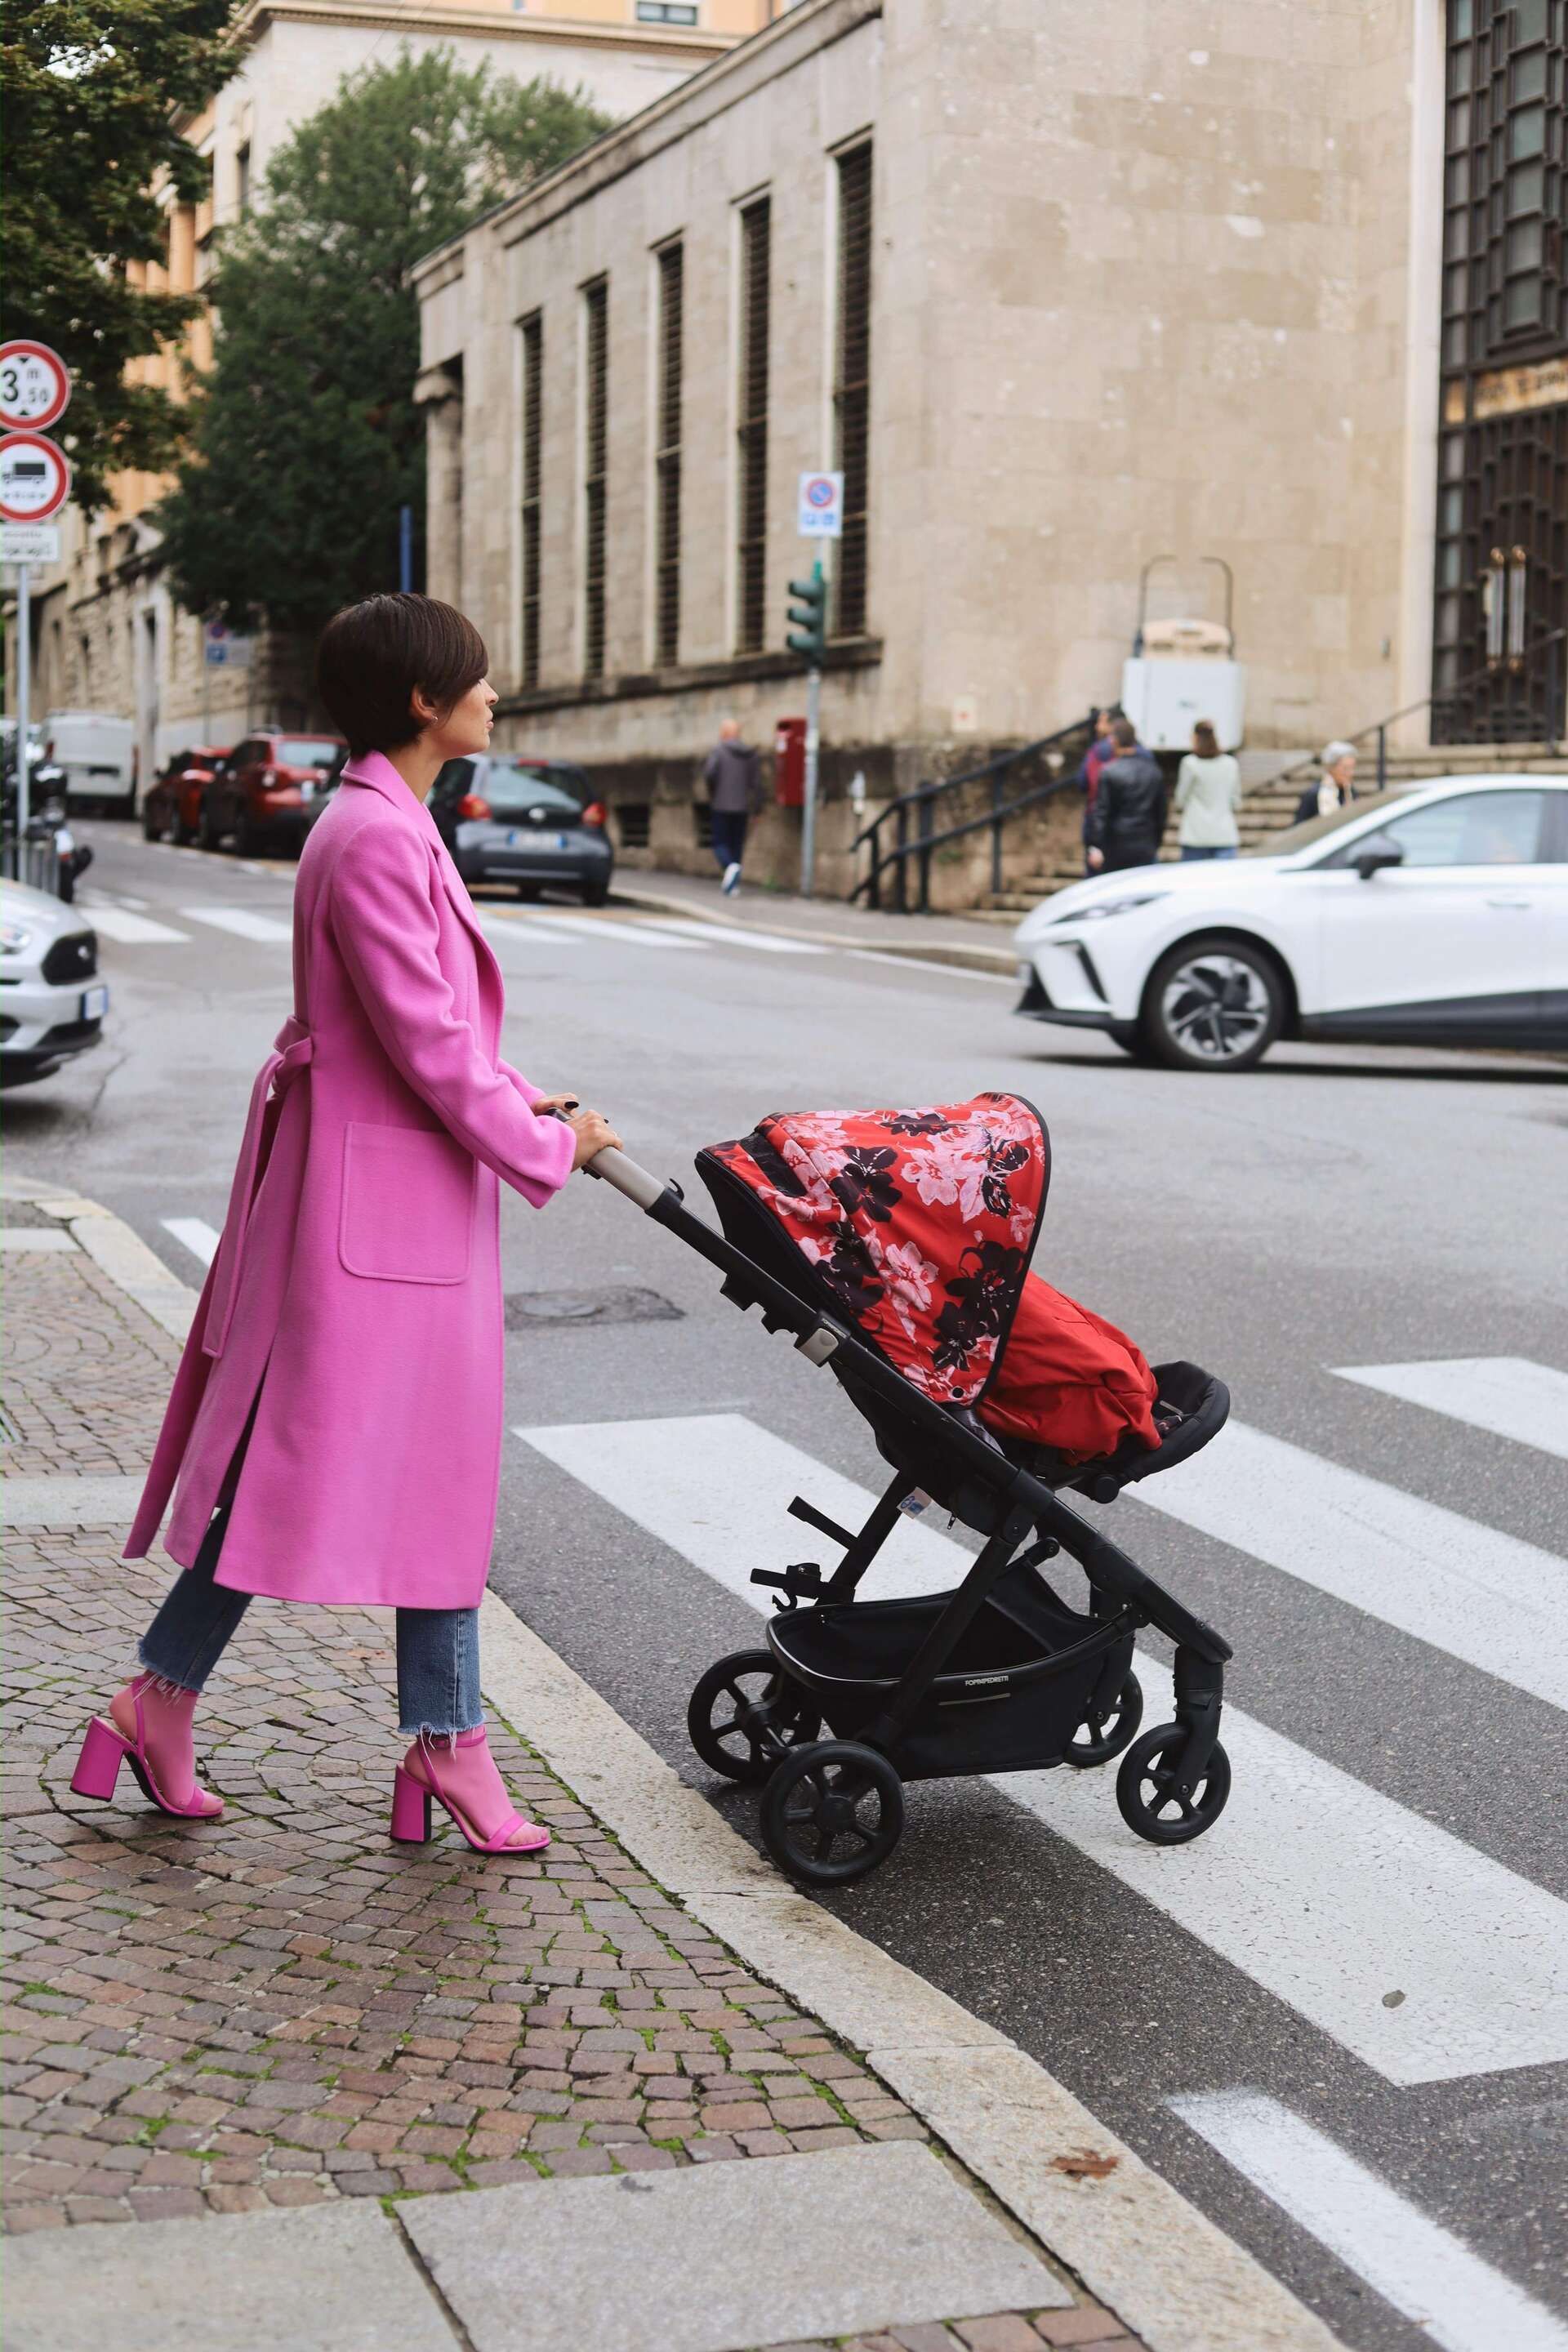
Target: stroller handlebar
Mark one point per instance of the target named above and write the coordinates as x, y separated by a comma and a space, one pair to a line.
618, 1169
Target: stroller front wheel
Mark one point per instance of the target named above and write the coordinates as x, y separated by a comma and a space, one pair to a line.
1149, 1793
744, 1712
831, 1812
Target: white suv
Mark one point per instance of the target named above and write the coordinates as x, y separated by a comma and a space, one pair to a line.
1435, 916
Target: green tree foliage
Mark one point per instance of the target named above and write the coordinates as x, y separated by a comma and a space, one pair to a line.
94, 90
305, 439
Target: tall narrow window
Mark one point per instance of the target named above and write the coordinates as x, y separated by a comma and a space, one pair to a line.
532, 428
667, 539
852, 385
751, 507
595, 378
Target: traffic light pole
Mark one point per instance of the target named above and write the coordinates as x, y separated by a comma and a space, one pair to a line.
808, 812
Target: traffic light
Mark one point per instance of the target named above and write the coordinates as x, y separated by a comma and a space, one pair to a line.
808, 617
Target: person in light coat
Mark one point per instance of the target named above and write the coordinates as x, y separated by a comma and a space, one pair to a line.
1207, 797
334, 1431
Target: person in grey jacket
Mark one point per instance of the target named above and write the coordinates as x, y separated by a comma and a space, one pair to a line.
732, 773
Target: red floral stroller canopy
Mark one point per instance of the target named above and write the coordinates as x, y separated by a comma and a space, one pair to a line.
918, 1225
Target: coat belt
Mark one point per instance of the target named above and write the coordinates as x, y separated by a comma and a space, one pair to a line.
292, 1052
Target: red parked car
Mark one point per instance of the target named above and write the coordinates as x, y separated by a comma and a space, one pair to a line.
173, 806
261, 796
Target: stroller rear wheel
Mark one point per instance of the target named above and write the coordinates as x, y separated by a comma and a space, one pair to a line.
831, 1812
1105, 1733
744, 1712
1149, 1795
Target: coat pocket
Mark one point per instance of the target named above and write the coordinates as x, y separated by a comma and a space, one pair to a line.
408, 1204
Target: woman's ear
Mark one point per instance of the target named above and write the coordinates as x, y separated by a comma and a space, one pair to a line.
421, 708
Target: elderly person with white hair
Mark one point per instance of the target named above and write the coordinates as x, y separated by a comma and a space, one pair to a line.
1336, 787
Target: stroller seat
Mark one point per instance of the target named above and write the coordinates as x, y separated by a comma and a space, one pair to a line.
1191, 1407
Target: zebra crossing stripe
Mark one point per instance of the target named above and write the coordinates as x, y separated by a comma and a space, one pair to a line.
1506, 1395
1326, 1893
731, 935
1429, 2276
243, 922
200, 1238
131, 930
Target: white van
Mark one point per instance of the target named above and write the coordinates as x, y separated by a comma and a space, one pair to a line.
97, 753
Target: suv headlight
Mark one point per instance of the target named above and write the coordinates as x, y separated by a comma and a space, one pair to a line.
14, 938
1098, 914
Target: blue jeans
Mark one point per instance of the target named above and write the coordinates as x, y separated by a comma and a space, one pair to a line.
1187, 855
729, 836
437, 1649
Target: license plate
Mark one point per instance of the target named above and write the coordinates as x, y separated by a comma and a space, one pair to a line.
94, 1003
307, 792
560, 841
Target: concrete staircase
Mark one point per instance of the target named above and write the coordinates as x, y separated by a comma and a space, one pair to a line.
1272, 784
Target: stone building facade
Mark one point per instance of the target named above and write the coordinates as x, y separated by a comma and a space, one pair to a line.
1068, 290
108, 635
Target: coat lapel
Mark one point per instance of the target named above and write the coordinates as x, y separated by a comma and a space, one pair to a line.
377, 773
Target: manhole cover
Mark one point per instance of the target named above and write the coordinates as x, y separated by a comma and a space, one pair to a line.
534, 1310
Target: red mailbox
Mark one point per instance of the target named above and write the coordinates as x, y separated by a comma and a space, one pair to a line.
789, 762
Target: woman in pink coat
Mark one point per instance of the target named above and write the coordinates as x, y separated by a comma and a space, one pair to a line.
353, 1308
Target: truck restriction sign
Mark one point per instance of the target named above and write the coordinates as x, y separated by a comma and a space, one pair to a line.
35, 477
35, 386
821, 506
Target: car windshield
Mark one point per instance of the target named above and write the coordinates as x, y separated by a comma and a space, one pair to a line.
1320, 828
512, 787
306, 751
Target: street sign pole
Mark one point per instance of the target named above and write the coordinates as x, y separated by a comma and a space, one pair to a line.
23, 696
820, 513
808, 814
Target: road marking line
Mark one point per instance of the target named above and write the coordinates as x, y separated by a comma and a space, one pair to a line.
939, 971
196, 1235
1486, 1598
512, 931
1507, 1395
732, 933
1429, 2276
1323, 1891
134, 930
243, 922
636, 935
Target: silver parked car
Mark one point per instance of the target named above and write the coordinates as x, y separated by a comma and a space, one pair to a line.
52, 1001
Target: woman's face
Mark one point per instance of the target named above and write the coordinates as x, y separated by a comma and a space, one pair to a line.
465, 727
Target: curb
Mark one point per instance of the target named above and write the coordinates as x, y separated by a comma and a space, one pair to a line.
1138, 2247
998, 960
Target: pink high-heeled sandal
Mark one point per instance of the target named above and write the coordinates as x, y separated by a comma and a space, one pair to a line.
106, 1748
412, 1794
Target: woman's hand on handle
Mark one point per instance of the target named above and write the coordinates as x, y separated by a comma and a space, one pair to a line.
593, 1133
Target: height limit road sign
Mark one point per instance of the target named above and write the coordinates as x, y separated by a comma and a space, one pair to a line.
821, 506
35, 477
35, 386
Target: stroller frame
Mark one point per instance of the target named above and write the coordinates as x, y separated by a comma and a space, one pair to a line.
822, 1795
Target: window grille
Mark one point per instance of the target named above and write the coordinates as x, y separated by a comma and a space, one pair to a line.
852, 385
666, 527
752, 519
633, 819
595, 435
532, 433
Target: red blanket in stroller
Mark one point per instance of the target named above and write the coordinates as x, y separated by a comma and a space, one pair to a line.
919, 1225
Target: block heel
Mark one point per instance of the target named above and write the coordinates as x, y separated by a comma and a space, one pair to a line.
410, 1810
103, 1751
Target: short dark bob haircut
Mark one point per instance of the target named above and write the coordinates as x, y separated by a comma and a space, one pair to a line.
373, 654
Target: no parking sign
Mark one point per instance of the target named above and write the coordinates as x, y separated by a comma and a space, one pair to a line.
821, 506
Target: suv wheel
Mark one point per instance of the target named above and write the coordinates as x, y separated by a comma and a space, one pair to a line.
1214, 1005
212, 828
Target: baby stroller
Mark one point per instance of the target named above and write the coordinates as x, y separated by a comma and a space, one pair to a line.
893, 1245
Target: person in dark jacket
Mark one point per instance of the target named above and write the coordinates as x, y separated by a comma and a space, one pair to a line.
733, 774
1099, 754
1336, 790
1124, 825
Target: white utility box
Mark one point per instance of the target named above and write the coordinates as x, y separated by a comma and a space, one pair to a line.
1183, 672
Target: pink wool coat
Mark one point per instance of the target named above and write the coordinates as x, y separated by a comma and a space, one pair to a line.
354, 1301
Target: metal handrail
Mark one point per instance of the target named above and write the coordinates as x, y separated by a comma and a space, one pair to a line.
923, 799
1552, 639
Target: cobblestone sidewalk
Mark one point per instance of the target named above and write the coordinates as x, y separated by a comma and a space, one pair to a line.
284, 2008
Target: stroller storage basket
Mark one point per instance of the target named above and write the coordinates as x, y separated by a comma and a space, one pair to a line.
1016, 1687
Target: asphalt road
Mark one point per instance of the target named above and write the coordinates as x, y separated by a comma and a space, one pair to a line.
1373, 1939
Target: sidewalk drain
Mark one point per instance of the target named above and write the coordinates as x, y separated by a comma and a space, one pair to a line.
527, 1310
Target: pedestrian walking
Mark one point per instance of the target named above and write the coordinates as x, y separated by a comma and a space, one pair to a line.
732, 773
1335, 788
1124, 826
1207, 797
1098, 755
334, 1431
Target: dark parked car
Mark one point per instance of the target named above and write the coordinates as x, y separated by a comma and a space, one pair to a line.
172, 807
533, 822
263, 792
